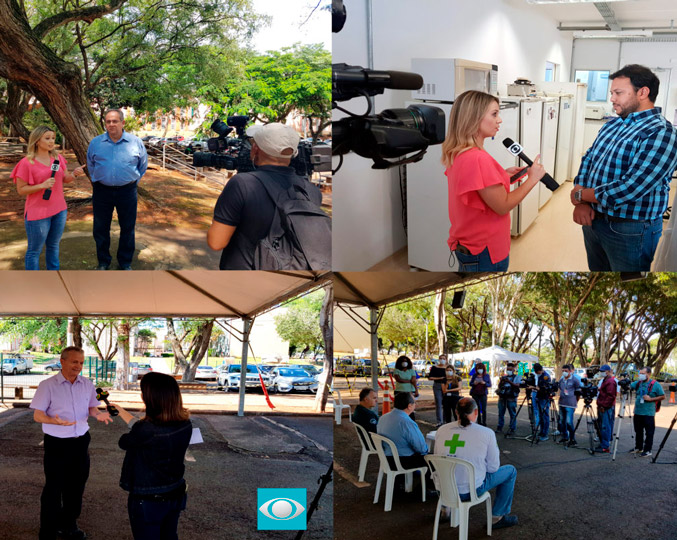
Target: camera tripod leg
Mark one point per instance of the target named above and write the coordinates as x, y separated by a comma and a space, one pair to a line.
665, 439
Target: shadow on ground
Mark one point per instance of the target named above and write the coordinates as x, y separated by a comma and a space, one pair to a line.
223, 478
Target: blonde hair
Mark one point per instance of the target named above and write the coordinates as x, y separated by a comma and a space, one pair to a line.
464, 123
33, 139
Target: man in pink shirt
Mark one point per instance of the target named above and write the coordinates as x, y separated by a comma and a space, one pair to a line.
63, 404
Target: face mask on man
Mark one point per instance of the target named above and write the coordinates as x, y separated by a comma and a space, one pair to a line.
567, 374
509, 371
480, 371
642, 377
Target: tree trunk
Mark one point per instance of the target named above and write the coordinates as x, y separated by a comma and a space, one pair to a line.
327, 327
121, 371
17, 105
441, 321
26, 61
199, 350
76, 331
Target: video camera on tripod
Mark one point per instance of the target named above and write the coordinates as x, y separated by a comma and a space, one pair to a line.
624, 383
233, 153
588, 391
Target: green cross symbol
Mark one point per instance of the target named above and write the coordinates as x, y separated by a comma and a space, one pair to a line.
454, 443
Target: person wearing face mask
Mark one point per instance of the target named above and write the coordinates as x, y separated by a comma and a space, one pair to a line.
452, 387
438, 376
480, 383
649, 395
569, 388
405, 378
540, 399
244, 211
606, 404
467, 440
508, 390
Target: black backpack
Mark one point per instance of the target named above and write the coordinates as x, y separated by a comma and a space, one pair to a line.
300, 234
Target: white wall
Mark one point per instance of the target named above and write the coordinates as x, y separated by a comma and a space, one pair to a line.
601, 54
367, 209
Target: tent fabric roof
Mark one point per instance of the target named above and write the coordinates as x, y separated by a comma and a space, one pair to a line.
375, 289
190, 293
494, 354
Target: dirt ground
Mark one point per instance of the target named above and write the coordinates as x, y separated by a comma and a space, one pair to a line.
238, 456
174, 213
559, 494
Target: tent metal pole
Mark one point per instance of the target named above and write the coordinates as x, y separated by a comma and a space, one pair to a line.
243, 366
373, 327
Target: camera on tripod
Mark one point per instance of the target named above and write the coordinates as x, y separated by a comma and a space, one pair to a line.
233, 153
529, 380
624, 383
588, 391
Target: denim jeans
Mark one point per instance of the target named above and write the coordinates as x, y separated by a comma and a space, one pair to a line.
155, 519
438, 393
566, 423
104, 200
511, 405
541, 414
606, 427
480, 262
44, 232
504, 482
482, 406
621, 247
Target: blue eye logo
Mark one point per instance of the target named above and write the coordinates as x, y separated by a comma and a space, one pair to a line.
281, 509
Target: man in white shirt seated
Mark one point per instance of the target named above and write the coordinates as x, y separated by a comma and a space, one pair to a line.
465, 439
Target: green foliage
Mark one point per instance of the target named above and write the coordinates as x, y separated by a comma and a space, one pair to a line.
49, 332
406, 325
300, 325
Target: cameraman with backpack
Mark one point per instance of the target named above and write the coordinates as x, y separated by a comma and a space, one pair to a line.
270, 218
647, 404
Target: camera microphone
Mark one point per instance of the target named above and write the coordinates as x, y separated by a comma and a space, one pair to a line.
102, 395
352, 81
55, 167
516, 150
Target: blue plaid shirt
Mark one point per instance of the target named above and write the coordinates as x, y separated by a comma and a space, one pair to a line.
630, 165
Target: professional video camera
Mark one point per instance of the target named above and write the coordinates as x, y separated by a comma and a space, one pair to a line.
393, 133
624, 383
529, 380
233, 153
552, 388
588, 391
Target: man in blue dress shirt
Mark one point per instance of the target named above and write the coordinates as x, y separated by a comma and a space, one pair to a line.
116, 160
621, 189
63, 404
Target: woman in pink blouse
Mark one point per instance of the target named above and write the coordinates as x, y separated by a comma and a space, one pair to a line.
479, 188
45, 211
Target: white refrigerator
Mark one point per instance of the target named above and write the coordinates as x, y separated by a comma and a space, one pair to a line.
428, 208
564, 139
548, 145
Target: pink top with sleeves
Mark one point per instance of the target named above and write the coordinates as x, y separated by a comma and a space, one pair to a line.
37, 173
473, 224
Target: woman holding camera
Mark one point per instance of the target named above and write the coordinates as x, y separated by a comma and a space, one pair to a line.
45, 210
153, 467
479, 188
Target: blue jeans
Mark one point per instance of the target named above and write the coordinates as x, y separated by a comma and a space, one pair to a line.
541, 414
438, 393
511, 405
155, 519
566, 423
480, 262
504, 482
104, 200
44, 232
606, 429
621, 247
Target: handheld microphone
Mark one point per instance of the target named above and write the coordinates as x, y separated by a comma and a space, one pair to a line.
516, 150
48, 192
352, 81
102, 395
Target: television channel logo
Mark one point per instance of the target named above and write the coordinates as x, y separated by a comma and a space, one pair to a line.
281, 509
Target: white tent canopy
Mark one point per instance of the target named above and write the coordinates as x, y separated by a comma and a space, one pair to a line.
495, 355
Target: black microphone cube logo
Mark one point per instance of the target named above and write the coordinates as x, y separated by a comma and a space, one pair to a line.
515, 149
55, 166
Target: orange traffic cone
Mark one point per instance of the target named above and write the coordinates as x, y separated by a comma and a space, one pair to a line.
673, 389
386, 400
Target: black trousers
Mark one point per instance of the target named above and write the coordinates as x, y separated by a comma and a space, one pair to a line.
105, 199
644, 429
66, 466
155, 520
449, 406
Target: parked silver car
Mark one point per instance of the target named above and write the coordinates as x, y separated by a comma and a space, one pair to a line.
286, 379
230, 380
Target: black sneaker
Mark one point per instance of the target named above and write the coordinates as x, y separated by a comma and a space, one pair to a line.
505, 521
645, 454
563, 441
103, 267
499, 430
572, 442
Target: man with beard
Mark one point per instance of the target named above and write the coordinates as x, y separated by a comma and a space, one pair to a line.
621, 189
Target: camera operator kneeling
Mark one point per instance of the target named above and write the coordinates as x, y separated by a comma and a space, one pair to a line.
649, 395
468, 440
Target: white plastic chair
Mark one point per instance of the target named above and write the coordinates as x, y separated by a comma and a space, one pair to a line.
391, 473
444, 467
367, 449
338, 407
